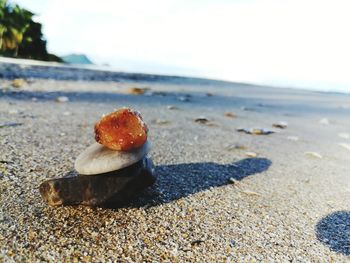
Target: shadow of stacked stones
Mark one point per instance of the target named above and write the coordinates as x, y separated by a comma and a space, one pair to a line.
334, 232
180, 180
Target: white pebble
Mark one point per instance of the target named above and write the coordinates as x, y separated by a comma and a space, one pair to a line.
62, 99
13, 111
251, 154
324, 121
345, 145
98, 159
344, 135
313, 154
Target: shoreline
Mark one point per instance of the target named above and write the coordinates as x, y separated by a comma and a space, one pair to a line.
101, 73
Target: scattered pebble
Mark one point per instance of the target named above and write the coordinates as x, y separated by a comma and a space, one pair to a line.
255, 131
233, 181
159, 93
27, 115
160, 122
18, 83
184, 98
62, 99
13, 111
249, 192
324, 121
248, 109
235, 147
10, 124
138, 91
344, 135
230, 115
201, 120
293, 138
313, 154
251, 154
205, 121
67, 113
172, 107
280, 125
345, 145
5, 89
196, 242
232, 243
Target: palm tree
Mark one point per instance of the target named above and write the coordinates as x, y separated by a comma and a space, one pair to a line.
14, 21
20, 36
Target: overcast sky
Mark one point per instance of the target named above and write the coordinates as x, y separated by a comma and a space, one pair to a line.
303, 43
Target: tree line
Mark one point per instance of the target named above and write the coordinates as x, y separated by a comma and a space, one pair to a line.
20, 36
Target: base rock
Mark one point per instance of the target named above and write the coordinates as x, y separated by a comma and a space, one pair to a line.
108, 189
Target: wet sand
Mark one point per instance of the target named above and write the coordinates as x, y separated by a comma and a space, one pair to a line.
212, 202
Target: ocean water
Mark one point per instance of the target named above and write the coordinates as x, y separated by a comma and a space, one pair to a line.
11, 68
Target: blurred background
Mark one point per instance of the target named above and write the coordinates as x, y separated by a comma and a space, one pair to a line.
300, 44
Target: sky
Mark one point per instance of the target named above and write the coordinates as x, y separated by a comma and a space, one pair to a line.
297, 43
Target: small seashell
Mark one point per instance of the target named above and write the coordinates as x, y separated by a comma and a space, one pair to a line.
293, 138
13, 111
324, 121
18, 83
313, 154
230, 115
235, 147
280, 125
98, 159
255, 131
251, 154
345, 145
344, 135
62, 99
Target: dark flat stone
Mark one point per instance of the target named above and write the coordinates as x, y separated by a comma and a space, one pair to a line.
108, 189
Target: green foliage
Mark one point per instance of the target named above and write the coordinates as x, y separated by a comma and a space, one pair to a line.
20, 36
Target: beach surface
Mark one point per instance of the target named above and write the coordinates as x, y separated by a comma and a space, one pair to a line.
221, 195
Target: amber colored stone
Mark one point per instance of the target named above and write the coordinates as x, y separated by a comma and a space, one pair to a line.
121, 130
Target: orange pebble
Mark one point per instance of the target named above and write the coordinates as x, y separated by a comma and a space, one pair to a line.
121, 130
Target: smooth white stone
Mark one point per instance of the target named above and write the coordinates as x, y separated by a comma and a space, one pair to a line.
98, 159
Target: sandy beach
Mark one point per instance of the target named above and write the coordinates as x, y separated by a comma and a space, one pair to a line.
221, 195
